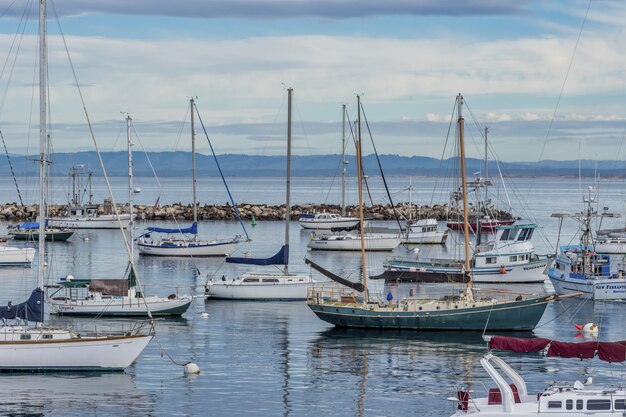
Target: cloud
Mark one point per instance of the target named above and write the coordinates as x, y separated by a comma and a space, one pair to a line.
277, 9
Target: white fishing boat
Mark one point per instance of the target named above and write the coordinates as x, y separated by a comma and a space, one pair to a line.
559, 399
352, 241
184, 241
260, 285
424, 231
42, 348
86, 215
114, 297
579, 268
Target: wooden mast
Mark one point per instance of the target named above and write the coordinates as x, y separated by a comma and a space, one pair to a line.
359, 175
464, 186
288, 182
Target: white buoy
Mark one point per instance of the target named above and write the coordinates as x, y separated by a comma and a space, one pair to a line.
191, 369
86, 239
204, 314
591, 329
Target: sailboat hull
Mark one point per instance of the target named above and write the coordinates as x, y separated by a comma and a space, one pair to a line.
105, 221
10, 256
122, 307
260, 287
187, 248
98, 354
505, 316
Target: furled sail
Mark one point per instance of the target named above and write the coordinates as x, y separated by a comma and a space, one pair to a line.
605, 351
357, 286
281, 258
31, 309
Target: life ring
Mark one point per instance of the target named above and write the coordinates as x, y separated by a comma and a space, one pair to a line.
502, 270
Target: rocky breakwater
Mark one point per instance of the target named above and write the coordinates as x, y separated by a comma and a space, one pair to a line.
178, 211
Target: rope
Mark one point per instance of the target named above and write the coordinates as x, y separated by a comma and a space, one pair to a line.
6, 152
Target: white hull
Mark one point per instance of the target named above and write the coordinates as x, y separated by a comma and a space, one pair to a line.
107, 221
531, 272
353, 242
66, 353
10, 256
433, 238
284, 287
612, 246
188, 248
327, 224
597, 289
121, 306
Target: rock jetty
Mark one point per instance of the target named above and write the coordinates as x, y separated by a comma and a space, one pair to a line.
178, 211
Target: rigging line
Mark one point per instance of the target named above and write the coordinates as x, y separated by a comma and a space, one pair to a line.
380, 167
100, 160
7, 9
145, 152
6, 152
569, 67
219, 168
443, 154
367, 186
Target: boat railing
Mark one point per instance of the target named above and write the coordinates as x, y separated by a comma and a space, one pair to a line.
114, 328
328, 292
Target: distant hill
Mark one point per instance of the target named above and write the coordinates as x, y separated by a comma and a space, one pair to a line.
178, 164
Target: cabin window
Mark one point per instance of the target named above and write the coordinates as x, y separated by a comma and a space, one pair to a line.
270, 280
554, 404
46, 336
24, 337
505, 234
579, 404
490, 260
529, 234
598, 404
513, 258
250, 280
620, 404
569, 404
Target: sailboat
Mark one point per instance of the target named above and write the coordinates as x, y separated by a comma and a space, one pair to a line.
114, 297
30, 231
43, 348
422, 231
265, 285
353, 307
172, 244
328, 221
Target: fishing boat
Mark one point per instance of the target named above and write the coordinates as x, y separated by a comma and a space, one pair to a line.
263, 285
41, 348
507, 259
30, 231
184, 241
512, 397
469, 310
424, 231
579, 268
86, 215
327, 221
113, 297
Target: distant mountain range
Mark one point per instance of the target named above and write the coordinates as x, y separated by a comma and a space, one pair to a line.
178, 164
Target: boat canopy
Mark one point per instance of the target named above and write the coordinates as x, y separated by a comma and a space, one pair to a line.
193, 229
281, 258
30, 310
606, 351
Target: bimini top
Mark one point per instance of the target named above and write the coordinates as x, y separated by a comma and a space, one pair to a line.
605, 351
193, 229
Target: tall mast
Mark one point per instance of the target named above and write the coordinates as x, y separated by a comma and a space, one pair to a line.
131, 190
288, 182
43, 65
486, 165
464, 184
193, 162
343, 160
359, 175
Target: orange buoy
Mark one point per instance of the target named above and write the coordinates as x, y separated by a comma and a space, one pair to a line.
502, 270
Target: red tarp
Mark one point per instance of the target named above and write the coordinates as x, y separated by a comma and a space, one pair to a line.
606, 351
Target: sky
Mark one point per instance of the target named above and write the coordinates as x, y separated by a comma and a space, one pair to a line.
548, 78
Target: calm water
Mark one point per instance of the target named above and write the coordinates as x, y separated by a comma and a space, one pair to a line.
278, 358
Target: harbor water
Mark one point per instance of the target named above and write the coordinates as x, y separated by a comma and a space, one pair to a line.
269, 359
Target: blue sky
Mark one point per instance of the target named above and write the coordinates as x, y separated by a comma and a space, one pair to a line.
407, 58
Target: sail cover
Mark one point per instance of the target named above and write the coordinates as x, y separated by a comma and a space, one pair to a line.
31, 309
31, 225
193, 229
357, 286
606, 351
281, 258
346, 229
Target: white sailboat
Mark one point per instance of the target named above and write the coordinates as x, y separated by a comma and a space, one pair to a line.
42, 348
261, 285
422, 231
327, 221
114, 297
12, 256
176, 242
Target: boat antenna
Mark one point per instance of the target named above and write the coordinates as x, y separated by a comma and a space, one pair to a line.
359, 175
464, 186
288, 181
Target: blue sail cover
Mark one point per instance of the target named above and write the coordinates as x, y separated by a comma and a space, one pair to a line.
31, 225
193, 229
31, 309
281, 258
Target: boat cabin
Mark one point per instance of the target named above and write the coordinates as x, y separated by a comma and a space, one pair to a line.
575, 260
511, 246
